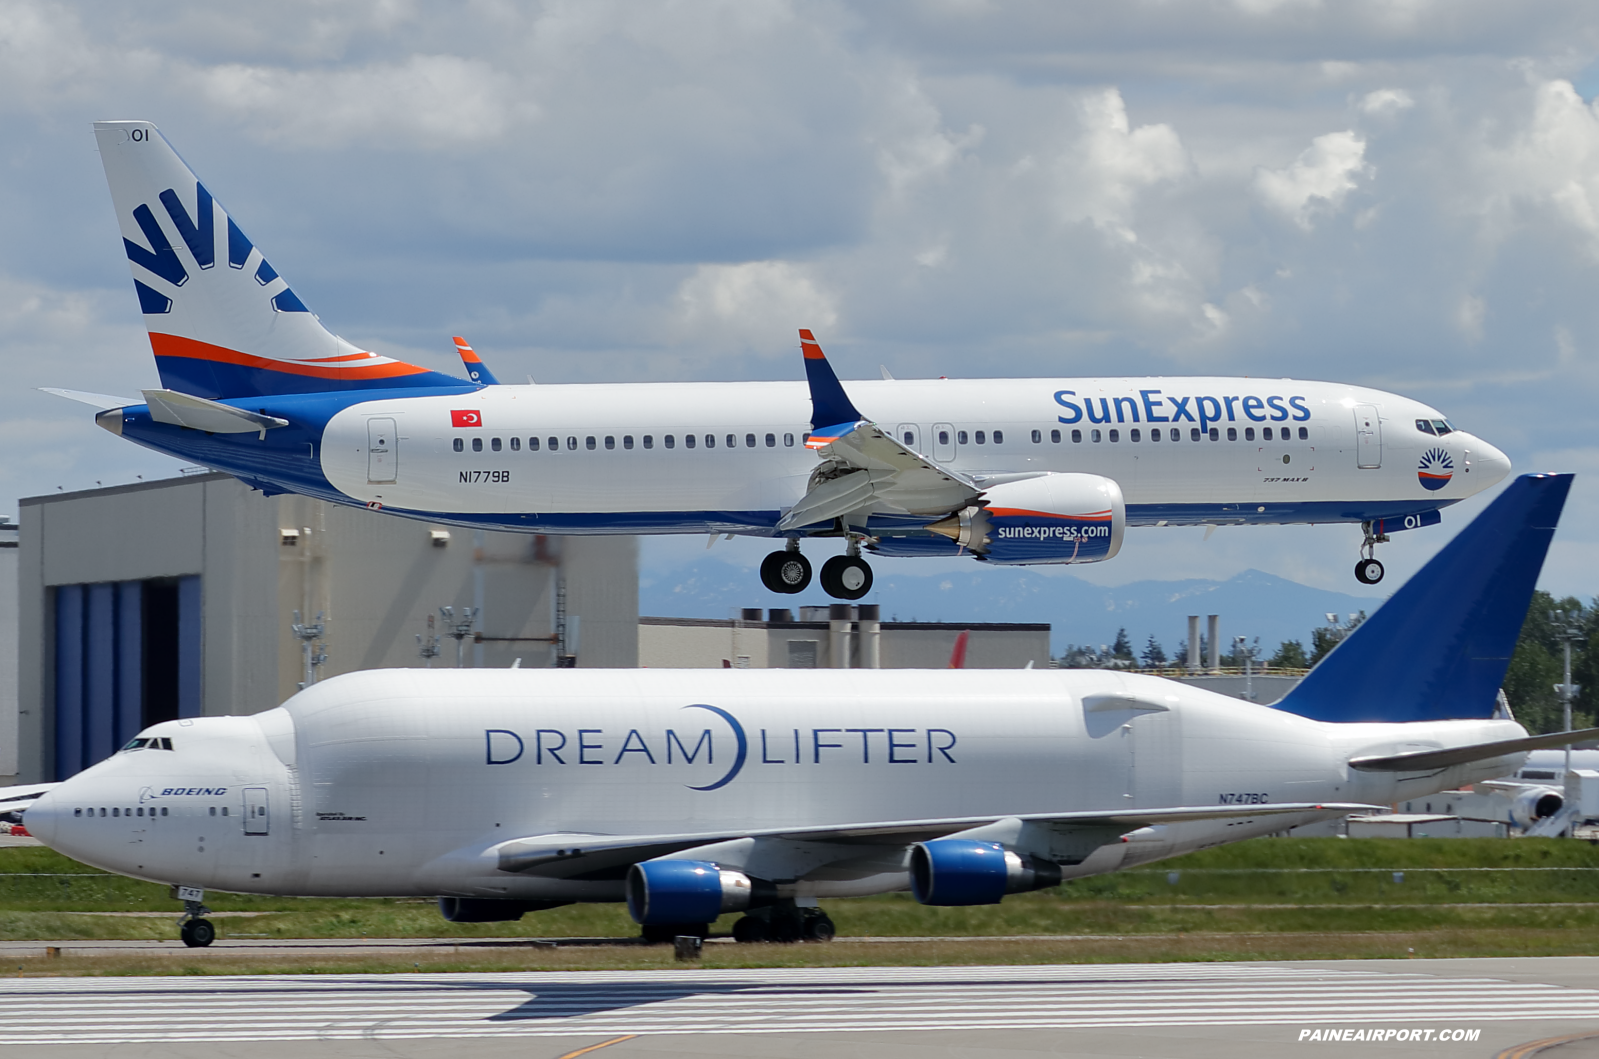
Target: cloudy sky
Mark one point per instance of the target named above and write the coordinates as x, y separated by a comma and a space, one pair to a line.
1403, 194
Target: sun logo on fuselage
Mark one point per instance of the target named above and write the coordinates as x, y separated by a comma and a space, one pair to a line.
1435, 469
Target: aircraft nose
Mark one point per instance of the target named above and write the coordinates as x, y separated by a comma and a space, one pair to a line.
1488, 462
42, 817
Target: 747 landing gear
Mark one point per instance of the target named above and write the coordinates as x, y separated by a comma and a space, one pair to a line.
1368, 571
194, 929
786, 571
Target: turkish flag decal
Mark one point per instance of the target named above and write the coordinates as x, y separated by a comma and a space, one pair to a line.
465, 417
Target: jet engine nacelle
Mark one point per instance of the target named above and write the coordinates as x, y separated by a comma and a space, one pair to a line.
1535, 804
1054, 518
959, 871
690, 891
490, 909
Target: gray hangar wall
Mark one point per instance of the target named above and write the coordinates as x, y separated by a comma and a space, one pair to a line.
175, 598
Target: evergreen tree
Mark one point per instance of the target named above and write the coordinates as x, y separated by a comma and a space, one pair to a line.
1154, 655
1290, 655
1123, 647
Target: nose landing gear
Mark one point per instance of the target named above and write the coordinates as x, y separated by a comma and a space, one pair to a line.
193, 928
1368, 571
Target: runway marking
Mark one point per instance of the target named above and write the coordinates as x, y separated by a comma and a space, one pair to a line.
1532, 1048
597, 1047
621, 1005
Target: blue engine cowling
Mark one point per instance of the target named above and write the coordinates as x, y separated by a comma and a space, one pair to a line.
961, 871
1053, 518
689, 891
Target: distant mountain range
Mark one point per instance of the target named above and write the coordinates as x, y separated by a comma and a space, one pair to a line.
1250, 604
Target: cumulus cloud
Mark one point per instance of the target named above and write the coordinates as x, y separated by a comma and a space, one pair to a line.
757, 304
1318, 180
1386, 101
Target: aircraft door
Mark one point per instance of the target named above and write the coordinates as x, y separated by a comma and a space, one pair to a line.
256, 819
909, 435
1368, 437
382, 451
943, 442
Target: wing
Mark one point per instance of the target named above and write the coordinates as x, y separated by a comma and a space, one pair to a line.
590, 856
864, 469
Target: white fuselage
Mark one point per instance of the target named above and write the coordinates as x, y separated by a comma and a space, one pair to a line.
681, 457
412, 782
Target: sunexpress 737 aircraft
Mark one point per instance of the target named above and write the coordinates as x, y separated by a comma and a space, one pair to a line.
696, 793
1006, 470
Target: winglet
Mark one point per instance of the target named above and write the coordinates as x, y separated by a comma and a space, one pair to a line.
830, 406
1439, 648
476, 370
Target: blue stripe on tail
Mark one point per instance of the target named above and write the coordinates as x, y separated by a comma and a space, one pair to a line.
1439, 648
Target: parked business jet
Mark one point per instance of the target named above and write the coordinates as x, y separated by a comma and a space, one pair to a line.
1006, 470
690, 794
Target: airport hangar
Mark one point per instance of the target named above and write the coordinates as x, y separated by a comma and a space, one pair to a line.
177, 598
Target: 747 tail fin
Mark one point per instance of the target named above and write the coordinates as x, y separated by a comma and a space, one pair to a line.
1439, 648
222, 322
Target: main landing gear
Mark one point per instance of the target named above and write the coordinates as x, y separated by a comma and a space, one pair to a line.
1368, 571
784, 923
844, 576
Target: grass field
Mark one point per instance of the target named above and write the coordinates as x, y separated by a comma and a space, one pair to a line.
1265, 899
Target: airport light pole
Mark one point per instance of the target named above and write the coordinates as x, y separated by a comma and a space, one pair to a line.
1242, 647
428, 647
1568, 633
458, 629
315, 654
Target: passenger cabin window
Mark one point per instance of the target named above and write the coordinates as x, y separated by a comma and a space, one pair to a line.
999, 437
1038, 436
909, 438
1265, 432
459, 446
1154, 434
1215, 434
732, 441
982, 438
1249, 433
571, 444
788, 441
1115, 435
588, 442
532, 444
1193, 434
1077, 437
749, 441
627, 441
688, 441
710, 441
943, 437
494, 443
1094, 435
1133, 435
960, 437
671, 442
610, 441
649, 441
771, 441
555, 444
1304, 433
1232, 433
1054, 436
477, 444
516, 444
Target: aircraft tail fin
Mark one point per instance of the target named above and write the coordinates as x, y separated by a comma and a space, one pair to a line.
476, 370
222, 322
1439, 647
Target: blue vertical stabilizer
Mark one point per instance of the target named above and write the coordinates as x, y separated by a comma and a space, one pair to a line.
1438, 649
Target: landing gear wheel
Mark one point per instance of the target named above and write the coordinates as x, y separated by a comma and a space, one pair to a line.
1368, 571
751, 929
818, 927
787, 572
663, 933
197, 933
846, 577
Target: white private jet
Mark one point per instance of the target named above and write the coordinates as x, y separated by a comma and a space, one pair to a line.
690, 794
1006, 470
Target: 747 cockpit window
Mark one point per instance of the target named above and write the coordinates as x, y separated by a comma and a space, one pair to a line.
152, 743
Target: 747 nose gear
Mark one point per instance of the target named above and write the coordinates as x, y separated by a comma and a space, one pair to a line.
786, 571
1368, 571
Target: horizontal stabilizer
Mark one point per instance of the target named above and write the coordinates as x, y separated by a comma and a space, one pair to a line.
198, 413
97, 400
1439, 648
1427, 760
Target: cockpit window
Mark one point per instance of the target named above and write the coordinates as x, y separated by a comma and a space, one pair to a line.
152, 743
1436, 427
1425, 426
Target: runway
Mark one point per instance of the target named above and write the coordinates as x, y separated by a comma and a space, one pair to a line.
883, 1005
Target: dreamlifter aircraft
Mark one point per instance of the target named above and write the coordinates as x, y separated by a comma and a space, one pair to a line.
1006, 470
693, 793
